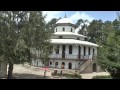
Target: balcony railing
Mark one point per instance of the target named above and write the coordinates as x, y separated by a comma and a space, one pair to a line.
69, 57
76, 57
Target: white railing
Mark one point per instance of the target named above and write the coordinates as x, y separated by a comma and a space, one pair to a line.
65, 56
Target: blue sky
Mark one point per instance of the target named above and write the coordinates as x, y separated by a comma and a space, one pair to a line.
75, 15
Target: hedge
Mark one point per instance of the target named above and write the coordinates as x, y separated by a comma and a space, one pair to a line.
102, 77
68, 75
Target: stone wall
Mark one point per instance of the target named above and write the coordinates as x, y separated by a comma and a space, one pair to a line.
89, 68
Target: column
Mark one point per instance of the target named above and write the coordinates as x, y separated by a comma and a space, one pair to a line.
91, 52
66, 51
60, 49
54, 46
86, 52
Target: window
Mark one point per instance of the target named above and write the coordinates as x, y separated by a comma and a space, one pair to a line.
56, 29
85, 39
63, 29
78, 38
43, 62
60, 36
84, 50
89, 50
71, 29
50, 63
57, 50
70, 49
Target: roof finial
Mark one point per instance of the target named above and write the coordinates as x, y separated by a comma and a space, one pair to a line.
65, 15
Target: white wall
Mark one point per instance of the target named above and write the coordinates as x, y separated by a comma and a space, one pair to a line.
67, 36
74, 54
67, 29
75, 64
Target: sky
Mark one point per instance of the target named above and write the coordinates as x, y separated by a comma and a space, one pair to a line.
75, 15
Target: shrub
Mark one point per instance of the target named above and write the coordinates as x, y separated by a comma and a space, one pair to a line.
68, 75
102, 77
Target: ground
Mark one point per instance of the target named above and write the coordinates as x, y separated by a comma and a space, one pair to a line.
30, 72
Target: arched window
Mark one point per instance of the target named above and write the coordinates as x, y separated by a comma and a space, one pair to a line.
60, 36
50, 63
71, 29
63, 65
78, 38
70, 66
70, 49
63, 29
86, 39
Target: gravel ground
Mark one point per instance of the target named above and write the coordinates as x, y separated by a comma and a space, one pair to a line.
30, 72
90, 75
27, 72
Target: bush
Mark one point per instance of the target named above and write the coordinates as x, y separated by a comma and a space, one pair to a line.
102, 77
68, 75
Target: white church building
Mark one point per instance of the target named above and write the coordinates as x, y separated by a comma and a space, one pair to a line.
71, 50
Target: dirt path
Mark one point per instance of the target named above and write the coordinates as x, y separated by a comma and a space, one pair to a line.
90, 75
30, 72
27, 72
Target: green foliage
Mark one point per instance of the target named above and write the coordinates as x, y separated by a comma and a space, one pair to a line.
51, 24
68, 75
102, 77
21, 31
110, 58
83, 24
108, 54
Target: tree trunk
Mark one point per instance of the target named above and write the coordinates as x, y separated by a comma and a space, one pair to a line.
10, 70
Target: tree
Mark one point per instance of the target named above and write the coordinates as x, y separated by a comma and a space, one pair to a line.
21, 31
12, 45
108, 55
109, 58
51, 24
82, 25
40, 36
95, 30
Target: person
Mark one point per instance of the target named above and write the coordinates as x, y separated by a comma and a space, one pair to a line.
44, 73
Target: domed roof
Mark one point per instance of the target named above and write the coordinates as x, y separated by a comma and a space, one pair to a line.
64, 20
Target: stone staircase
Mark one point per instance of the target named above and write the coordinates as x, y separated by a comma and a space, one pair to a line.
84, 65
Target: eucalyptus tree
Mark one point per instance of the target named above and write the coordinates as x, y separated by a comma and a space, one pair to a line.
21, 31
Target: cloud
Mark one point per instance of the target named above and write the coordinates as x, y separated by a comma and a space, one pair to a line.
52, 14
74, 17
77, 15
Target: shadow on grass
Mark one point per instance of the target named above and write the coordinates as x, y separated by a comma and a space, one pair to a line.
28, 76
